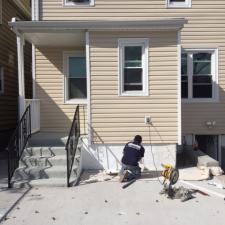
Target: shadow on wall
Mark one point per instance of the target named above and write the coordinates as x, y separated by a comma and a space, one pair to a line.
56, 116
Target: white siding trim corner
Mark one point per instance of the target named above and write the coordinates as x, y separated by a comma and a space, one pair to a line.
179, 129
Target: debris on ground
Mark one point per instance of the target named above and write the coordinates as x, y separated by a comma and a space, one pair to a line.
106, 201
94, 176
137, 213
181, 193
218, 181
53, 218
86, 213
36, 211
194, 174
200, 173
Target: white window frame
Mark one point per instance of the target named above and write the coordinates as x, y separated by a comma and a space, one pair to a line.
66, 56
74, 4
186, 4
214, 73
2, 80
122, 42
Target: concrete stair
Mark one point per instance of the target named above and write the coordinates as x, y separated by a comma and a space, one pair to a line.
44, 166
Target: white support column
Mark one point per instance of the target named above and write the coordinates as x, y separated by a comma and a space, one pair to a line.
88, 88
21, 84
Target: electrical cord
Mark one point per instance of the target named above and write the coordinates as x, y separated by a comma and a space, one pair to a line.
153, 157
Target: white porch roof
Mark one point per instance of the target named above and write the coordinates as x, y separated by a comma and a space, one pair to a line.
72, 33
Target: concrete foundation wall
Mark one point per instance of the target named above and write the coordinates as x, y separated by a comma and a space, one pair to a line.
108, 157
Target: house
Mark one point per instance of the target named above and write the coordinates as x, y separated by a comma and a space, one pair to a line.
154, 68
8, 67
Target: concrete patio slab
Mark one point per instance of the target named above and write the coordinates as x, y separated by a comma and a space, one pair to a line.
8, 197
106, 203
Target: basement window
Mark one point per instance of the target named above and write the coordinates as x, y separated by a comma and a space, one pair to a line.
133, 66
78, 3
178, 3
199, 75
1, 80
75, 88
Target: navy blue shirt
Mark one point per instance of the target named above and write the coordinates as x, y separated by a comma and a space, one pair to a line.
132, 153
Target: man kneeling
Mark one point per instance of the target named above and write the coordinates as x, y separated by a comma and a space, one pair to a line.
133, 152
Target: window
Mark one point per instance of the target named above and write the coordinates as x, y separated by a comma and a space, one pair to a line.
75, 78
133, 66
178, 3
78, 3
199, 75
1, 80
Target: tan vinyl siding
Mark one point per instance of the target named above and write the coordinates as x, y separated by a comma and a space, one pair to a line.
55, 115
116, 119
205, 29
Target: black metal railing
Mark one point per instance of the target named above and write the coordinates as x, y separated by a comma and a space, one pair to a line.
18, 143
72, 142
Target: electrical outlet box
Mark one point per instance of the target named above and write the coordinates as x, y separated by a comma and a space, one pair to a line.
148, 120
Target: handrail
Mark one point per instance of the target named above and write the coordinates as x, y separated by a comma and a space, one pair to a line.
18, 143
72, 142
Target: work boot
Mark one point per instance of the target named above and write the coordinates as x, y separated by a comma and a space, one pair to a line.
124, 176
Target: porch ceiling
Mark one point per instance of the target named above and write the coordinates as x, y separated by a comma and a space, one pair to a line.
51, 39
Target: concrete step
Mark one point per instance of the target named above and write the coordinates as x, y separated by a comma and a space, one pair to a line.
40, 161
44, 151
32, 173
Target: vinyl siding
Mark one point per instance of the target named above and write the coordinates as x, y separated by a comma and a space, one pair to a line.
116, 119
55, 115
205, 29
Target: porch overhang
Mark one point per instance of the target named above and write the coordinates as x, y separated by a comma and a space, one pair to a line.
72, 33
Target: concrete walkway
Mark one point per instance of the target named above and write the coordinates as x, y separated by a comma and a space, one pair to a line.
8, 197
106, 203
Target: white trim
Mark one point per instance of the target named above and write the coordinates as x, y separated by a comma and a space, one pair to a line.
220, 149
87, 38
35, 10
74, 4
186, 4
33, 71
214, 68
2, 80
179, 121
66, 55
122, 42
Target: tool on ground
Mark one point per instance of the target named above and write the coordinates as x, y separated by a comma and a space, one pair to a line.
171, 174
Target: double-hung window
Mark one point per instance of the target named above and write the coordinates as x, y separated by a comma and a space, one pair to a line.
133, 67
78, 2
75, 78
178, 3
199, 75
1, 80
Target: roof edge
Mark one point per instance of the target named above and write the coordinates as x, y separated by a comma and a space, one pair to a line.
43, 26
